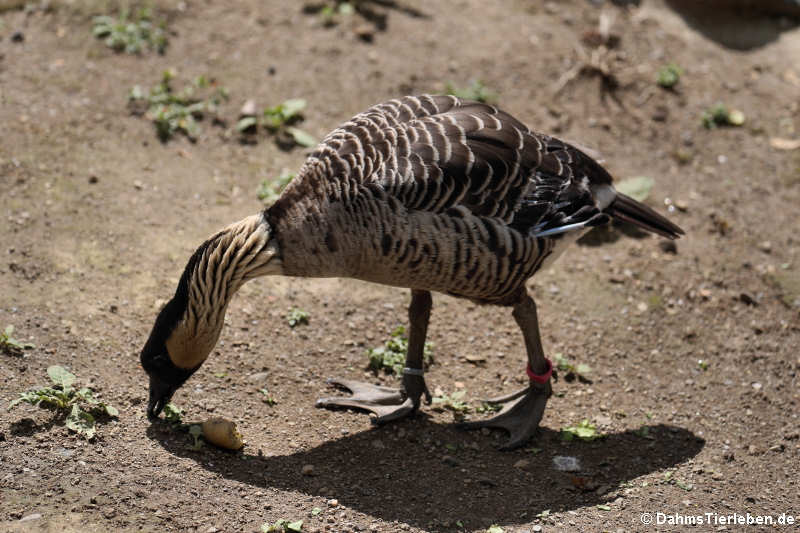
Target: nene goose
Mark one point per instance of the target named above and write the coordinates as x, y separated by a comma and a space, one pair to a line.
433, 193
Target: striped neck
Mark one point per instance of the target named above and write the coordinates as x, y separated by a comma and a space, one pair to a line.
238, 253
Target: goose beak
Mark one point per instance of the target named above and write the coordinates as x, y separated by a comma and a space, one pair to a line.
160, 395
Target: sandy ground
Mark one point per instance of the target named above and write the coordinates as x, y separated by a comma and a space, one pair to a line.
98, 219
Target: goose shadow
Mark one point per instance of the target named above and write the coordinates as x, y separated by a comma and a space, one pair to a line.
431, 475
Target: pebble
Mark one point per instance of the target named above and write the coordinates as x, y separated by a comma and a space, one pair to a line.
566, 463
28, 518
333, 502
522, 464
765, 246
728, 456
258, 376
536, 528
308, 470
248, 109
449, 460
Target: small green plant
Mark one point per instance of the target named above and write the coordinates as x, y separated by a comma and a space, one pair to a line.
644, 432
702, 364
572, 371
296, 317
282, 526
267, 397
269, 190
174, 415
452, 402
488, 407
719, 115
131, 33
331, 11
669, 76
279, 121
11, 346
585, 431
80, 405
495, 529
391, 357
475, 91
176, 112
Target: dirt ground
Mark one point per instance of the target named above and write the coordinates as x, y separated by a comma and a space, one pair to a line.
99, 218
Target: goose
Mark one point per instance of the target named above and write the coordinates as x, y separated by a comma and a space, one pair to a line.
431, 193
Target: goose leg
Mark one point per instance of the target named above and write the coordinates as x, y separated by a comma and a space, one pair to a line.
523, 410
386, 402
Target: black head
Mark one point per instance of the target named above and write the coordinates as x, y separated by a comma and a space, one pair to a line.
165, 377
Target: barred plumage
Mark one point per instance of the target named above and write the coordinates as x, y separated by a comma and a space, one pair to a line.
432, 193
435, 193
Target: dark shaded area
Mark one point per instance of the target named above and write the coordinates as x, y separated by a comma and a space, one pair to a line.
739, 24
612, 233
419, 480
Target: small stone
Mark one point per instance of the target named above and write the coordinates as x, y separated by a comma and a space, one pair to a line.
565, 463
138, 185
258, 376
449, 460
717, 476
752, 450
669, 247
365, 32
757, 386
28, 518
765, 246
333, 502
308, 470
248, 109
536, 528
522, 464
682, 205
728, 456
212, 529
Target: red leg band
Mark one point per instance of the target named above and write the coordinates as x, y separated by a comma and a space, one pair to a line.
540, 378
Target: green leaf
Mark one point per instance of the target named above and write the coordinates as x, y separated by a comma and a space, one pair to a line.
60, 376
296, 317
315, 511
585, 431
246, 123
292, 107
81, 422
495, 529
296, 526
604, 507
173, 413
111, 410
196, 431
300, 137
637, 188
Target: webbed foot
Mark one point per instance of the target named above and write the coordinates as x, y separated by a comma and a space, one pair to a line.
520, 416
386, 402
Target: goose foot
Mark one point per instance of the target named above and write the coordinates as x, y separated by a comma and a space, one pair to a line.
520, 415
386, 402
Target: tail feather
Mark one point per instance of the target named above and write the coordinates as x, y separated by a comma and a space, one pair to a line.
627, 209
